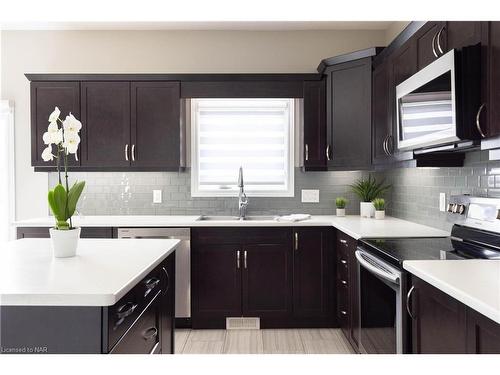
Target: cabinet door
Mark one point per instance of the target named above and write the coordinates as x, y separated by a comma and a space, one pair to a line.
483, 334
168, 305
312, 272
381, 115
216, 288
349, 113
155, 125
431, 43
439, 322
266, 280
315, 125
490, 116
106, 124
45, 96
462, 33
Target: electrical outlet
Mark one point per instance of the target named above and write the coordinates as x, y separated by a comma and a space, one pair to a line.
156, 196
310, 196
442, 202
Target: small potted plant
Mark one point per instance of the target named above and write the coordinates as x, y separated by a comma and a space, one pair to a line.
63, 135
367, 190
379, 204
340, 202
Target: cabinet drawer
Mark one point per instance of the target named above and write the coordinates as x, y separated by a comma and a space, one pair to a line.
144, 336
123, 314
342, 303
215, 236
266, 235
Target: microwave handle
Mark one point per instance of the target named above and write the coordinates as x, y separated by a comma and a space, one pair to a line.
377, 271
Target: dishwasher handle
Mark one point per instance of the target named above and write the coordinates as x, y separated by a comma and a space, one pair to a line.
369, 262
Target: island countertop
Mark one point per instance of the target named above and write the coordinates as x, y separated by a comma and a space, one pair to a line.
102, 272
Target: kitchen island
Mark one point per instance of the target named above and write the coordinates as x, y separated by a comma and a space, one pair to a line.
115, 296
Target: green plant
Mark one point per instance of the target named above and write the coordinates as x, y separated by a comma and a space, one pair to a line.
379, 204
63, 203
369, 189
340, 202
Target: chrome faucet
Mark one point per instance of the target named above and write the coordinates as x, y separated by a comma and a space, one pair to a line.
242, 197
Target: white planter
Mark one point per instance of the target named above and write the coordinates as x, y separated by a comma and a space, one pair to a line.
366, 209
340, 211
64, 242
379, 215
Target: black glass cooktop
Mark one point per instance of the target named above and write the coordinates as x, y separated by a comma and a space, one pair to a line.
397, 250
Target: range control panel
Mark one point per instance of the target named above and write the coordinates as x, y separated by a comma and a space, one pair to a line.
478, 212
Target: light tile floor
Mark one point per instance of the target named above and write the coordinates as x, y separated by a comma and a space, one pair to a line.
265, 341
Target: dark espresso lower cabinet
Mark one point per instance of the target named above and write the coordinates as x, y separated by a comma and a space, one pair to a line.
443, 325
280, 275
141, 322
43, 232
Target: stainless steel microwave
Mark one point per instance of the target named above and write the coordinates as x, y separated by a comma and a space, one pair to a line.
437, 106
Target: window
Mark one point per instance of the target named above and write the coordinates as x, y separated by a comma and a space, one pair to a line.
256, 134
7, 194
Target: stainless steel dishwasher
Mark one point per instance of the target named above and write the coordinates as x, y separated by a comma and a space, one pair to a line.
182, 262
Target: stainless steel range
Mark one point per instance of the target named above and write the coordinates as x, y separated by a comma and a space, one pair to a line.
383, 293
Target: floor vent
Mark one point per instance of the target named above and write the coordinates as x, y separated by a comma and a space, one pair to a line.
242, 323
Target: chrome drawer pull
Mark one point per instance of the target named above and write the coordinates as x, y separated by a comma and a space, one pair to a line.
343, 261
168, 279
343, 282
150, 333
126, 310
344, 242
151, 284
343, 312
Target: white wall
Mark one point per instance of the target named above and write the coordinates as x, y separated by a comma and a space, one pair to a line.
151, 52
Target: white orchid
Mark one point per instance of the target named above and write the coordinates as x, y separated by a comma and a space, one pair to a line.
71, 142
71, 124
47, 153
54, 116
53, 134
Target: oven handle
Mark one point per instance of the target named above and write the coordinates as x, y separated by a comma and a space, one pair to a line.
385, 275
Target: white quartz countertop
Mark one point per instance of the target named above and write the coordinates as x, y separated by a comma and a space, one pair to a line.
475, 283
102, 272
353, 225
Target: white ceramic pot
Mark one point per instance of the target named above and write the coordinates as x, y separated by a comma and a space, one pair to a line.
366, 209
340, 211
379, 215
64, 242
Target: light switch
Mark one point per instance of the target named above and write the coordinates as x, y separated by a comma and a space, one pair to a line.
310, 196
442, 202
156, 196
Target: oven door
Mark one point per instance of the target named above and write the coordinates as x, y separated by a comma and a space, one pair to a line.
380, 305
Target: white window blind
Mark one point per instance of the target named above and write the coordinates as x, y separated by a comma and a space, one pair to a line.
256, 134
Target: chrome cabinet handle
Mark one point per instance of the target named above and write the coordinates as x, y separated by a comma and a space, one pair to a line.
245, 259
307, 151
384, 145
344, 242
133, 152
126, 152
343, 312
438, 40
433, 45
343, 261
390, 145
238, 259
296, 235
150, 333
328, 152
408, 296
125, 310
478, 121
151, 284
343, 282
168, 279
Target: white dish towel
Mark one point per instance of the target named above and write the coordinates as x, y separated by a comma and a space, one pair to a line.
293, 217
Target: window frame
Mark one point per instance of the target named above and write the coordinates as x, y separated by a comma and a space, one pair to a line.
290, 152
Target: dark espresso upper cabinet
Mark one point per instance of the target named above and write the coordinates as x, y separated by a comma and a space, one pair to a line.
430, 43
489, 116
45, 96
349, 99
314, 144
155, 125
381, 115
106, 124
463, 33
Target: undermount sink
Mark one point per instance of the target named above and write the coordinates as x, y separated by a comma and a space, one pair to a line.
235, 218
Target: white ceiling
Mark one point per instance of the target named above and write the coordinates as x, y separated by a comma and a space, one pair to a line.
242, 25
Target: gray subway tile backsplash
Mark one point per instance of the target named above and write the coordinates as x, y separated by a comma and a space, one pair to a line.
414, 194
